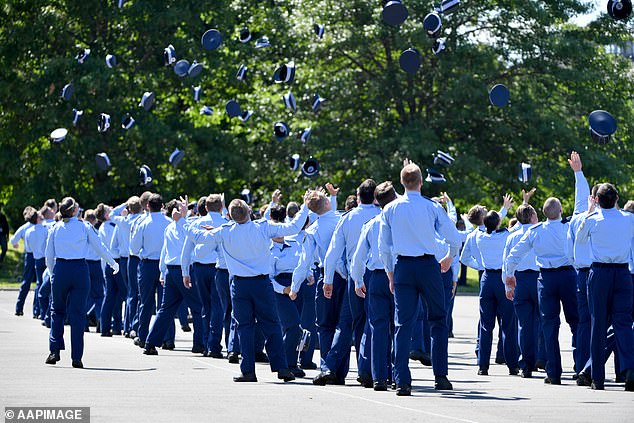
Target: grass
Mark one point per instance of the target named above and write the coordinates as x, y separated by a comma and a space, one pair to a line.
11, 268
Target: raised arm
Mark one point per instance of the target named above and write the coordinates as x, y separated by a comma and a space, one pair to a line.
293, 227
582, 189
305, 262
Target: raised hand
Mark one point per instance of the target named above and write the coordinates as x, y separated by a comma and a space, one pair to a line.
277, 196
575, 162
332, 190
444, 197
526, 196
406, 162
508, 201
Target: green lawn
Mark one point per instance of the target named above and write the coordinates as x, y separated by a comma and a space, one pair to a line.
11, 268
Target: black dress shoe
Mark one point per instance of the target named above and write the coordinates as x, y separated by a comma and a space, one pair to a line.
139, 343
261, 357
309, 366
126, 334
19, 313
584, 379
500, 360
216, 354
403, 391
286, 375
107, 334
249, 377
92, 321
168, 346
297, 372
629, 380
365, 380
540, 364
35, 316
514, 372
423, 357
619, 379
186, 328
596, 386
380, 385
393, 386
150, 350
450, 335
442, 384
552, 381
53, 357
324, 377
198, 349
527, 374
78, 364
233, 357
483, 372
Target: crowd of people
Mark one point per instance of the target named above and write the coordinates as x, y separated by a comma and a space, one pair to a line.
380, 276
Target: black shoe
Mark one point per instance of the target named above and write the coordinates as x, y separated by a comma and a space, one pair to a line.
308, 366
98, 327
233, 357
168, 346
297, 372
19, 313
53, 357
78, 364
483, 372
552, 381
526, 374
139, 343
540, 364
286, 375
107, 334
403, 391
629, 380
619, 379
91, 320
514, 372
575, 376
500, 360
442, 384
450, 335
365, 380
198, 349
584, 379
126, 334
35, 316
423, 357
261, 357
596, 386
249, 377
324, 377
212, 354
186, 328
150, 350
380, 385
87, 329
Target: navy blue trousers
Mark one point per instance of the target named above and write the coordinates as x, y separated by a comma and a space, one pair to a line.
289, 319
253, 298
233, 339
416, 278
174, 294
224, 294
610, 296
115, 290
183, 314
334, 327
151, 290
381, 318
131, 320
69, 288
421, 336
305, 302
97, 288
582, 350
28, 277
555, 288
526, 304
44, 297
40, 267
212, 311
362, 334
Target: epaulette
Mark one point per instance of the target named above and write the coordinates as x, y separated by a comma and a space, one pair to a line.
566, 219
501, 230
536, 225
592, 214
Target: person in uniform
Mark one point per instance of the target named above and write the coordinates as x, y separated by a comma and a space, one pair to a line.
97, 280
35, 241
28, 275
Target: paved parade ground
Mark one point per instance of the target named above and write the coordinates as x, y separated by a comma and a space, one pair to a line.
120, 384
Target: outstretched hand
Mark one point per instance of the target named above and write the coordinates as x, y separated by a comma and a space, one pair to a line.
526, 196
508, 201
277, 196
332, 190
575, 162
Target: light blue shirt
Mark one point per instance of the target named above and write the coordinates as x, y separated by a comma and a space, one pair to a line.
172, 249
147, 239
19, 234
490, 247
529, 262
122, 230
284, 259
35, 240
470, 255
366, 254
200, 253
408, 228
314, 246
106, 234
134, 220
246, 246
609, 233
581, 254
92, 254
72, 240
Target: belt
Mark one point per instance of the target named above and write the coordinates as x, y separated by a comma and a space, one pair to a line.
70, 260
584, 269
173, 266
150, 260
93, 261
251, 277
611, 265
135, 257
424, 256
527, 271
284, 275
204, 264
557, 269
492, 270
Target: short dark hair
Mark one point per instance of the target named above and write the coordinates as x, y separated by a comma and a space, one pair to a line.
476, 214
155, 202
202, 206
366, 191
31, 217
492, 221
278, 213
145, 198
524, 213
134, 205
170, 206
292, 208
351, 202
27, 212
213, 203
51, 204
100, 212
239, 211
384, 193
607, 196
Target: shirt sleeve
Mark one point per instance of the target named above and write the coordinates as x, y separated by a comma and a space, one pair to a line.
469, 251
585, 229
293, 227
385, 243
505, 254
582, 192
333, 202
305, 261
199, 236
18, 235
503, 212
360, 258
50, 250
186, 255
116, 212
267, 212
99, 247
518, 252
162, 265
447, 229
136, 240
335, 251
451, 211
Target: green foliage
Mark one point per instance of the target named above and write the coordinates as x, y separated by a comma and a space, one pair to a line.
375, 114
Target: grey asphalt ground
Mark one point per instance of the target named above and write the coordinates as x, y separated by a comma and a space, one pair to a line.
122, 385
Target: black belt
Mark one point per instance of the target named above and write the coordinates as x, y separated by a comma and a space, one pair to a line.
492, 270
584, 269
93, 261
284, 275
136, 257
70, 260
204, 264
611, 265
149, 260
173, 266
527, 271
424, 256
556, 269
251, 277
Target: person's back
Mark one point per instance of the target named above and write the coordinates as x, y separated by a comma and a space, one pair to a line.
611, 238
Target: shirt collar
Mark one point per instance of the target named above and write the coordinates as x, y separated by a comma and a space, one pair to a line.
413, 194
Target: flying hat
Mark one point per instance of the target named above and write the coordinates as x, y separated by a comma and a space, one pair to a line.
103, 161
285, 73
245, 35
447, 6
246, 115
169, 55
499, 95
211, 39
59, 134
438, 46
442, 158
262, 43
111, 60
310, 168
246, 195
602, 126
319, 30
241, 75
68, 91
289, 101
525, 172
294, 162
181, 67
410, 60
197, 91
435, 177
317, 102
103, 123
145, 176
233, 109
432, 24
206, 110
281, 130
127, 121
619, 9
394, 12
77, 116
176, 157
120, 3
82, 55
305, 135
195, 69
147, 101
